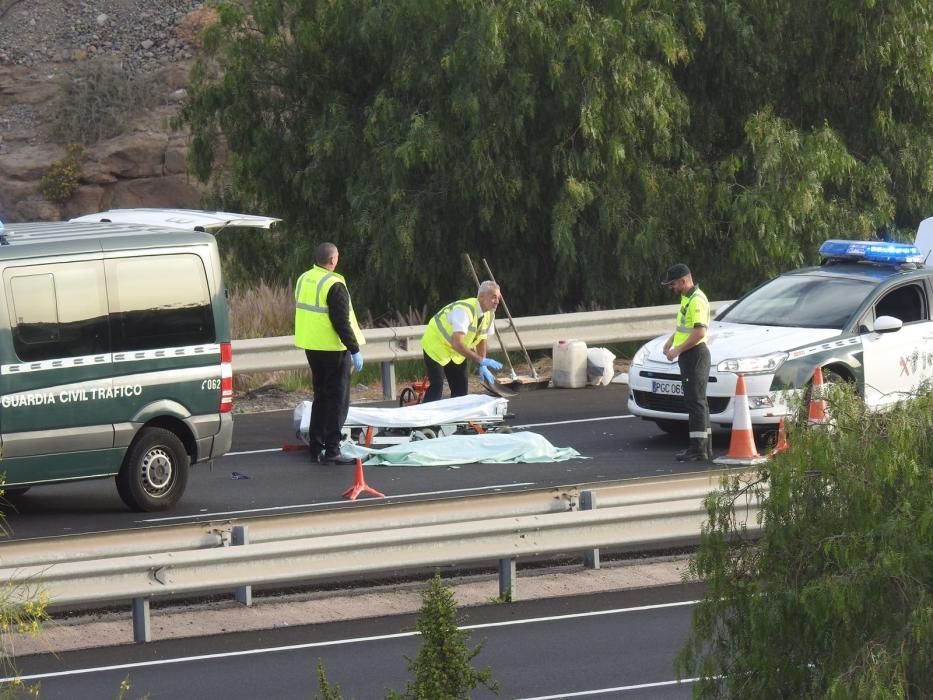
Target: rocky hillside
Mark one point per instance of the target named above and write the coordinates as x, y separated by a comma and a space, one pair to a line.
106, 73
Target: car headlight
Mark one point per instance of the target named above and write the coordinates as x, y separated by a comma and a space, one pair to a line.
640, 356
763, 364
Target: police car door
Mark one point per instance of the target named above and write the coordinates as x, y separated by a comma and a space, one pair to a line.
897, 362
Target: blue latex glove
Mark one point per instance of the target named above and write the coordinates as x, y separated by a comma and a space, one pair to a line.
491, 364
486, 375
357, 361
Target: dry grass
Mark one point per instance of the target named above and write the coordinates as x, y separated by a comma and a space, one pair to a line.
262, 312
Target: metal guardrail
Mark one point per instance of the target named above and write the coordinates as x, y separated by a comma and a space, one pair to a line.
386, 345
364, 517
182, 559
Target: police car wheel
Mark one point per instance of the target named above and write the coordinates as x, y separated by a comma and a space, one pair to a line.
830, 376
154, 472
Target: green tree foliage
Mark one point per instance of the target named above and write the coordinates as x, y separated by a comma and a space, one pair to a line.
836, 598
813, 120
410, 132
581, 146
442, 669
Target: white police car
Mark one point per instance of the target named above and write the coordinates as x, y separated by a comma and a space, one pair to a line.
863, 316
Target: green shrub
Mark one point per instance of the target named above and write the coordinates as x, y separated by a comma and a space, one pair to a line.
443, 666
63, 176
96, 100
835, 600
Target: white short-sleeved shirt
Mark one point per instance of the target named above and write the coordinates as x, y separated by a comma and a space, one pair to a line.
459, 320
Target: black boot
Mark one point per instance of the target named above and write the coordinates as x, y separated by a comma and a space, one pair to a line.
695, 453
332, 455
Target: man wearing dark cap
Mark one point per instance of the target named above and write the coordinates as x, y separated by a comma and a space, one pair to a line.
687, 345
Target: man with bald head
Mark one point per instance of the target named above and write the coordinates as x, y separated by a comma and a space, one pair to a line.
457, 333
327, 329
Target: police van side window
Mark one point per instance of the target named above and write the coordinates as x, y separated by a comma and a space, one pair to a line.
159, 301
58, 310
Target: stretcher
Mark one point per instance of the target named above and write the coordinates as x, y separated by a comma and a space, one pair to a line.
380, 427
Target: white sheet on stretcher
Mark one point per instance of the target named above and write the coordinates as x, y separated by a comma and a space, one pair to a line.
473, 407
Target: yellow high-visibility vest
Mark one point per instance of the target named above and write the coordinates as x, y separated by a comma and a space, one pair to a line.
693, 309
436, 341
313, 329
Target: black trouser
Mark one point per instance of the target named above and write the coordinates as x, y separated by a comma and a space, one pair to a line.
456, 379
694, 368
330, 379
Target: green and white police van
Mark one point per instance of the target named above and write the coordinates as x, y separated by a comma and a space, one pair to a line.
115, 353
864, 315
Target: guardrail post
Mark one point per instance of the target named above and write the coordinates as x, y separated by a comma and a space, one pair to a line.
507, 580
142, 629
590, 556
240, 535
388, 381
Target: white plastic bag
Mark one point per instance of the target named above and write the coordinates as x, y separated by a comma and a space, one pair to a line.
301, 421
599, 367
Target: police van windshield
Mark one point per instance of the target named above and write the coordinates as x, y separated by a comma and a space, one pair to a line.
801, 301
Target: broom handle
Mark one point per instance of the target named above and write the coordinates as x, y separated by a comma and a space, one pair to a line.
534, 372
498, 337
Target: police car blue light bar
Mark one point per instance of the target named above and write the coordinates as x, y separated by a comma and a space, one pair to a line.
880, 252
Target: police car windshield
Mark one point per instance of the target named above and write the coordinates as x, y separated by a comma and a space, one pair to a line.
801, 301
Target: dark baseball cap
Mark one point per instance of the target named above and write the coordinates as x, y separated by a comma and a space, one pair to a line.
675, 272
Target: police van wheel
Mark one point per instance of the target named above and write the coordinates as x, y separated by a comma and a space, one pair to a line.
154, 472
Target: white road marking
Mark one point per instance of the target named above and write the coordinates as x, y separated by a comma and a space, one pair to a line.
340, 642
254, 452
225, 513
578, 420
617, 689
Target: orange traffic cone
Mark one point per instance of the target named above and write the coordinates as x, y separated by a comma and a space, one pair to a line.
742, 448
360, 485
781, 443
818, 415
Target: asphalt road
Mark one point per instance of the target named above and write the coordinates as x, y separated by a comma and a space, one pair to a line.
611, 645
259, 477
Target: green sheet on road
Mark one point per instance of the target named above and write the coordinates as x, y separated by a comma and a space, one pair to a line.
494, 448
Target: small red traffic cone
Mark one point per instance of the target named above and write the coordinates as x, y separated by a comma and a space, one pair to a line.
360, 485
742, 448
781, 444
818, 414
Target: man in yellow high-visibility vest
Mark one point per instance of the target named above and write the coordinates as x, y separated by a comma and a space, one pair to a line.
688, 346
458, 332
327, 329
